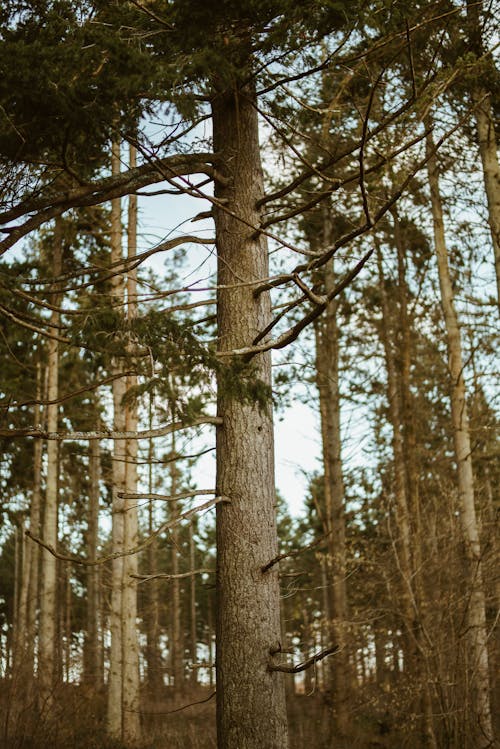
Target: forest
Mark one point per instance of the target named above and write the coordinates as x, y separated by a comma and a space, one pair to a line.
249, 374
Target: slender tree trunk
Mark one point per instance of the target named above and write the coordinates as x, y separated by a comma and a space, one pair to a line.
131, 686
48, 593
153, 660
327, 377
177, 639
92, 665
192, 603
485, 123
115, 680
412, 485
34, 554
481, 730
251, 710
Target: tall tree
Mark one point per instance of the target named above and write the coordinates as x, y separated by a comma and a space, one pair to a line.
475, 603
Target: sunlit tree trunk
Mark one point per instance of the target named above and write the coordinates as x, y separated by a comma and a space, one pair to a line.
115, 679
48, 588
92, 661
251, 711
34, 555
131, 686
481, 730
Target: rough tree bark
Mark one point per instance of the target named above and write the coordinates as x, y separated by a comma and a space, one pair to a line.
251, 710
481, 735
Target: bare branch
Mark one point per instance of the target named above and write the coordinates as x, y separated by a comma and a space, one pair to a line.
128, 552
165, 576
110, 435
306, 664
167, 497
294, 553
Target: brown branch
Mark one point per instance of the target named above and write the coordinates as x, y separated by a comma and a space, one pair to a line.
167, 497
68, 396
306, 664
178, 709
110, 435
128, 552
166, 576
294, 553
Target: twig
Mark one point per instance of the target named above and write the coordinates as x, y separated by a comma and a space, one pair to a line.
166, 576
293, 553
306, 664
128, 552
178, 709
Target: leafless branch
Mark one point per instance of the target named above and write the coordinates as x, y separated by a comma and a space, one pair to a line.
167, 497
165, 576
294, 553
128, 552
110, 435
306, 664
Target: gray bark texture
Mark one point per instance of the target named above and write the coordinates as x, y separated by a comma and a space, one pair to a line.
251, 711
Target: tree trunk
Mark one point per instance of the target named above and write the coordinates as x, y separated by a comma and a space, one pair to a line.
192, 603
177, 638
327, 378
152, 618
412, 486
251, 711
481, 735
92, 663
115, 680
485, 123
34, 554
131, 686
48, 593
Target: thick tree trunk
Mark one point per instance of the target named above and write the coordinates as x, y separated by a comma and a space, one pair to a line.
251, 711
115, 679
481, 730
48, 593
327, 378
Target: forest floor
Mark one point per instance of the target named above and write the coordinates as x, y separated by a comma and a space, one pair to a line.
187, 721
